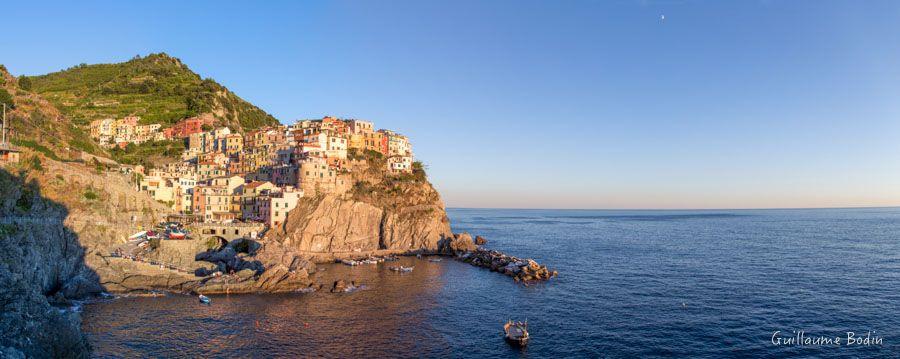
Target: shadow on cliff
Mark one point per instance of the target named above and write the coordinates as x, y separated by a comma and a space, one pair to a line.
41, 269
230, 257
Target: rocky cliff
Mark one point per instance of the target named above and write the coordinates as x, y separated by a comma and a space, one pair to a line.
382, 213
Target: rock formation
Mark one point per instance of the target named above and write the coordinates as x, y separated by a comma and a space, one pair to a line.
383, 213
525, 270
457, 244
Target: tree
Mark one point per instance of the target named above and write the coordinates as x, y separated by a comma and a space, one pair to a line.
25, 83
6, 98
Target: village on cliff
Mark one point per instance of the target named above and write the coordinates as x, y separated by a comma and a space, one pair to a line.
258, 176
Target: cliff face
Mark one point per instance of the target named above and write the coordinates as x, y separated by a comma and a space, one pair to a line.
383, 212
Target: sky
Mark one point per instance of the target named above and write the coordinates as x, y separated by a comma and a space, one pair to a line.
547, 104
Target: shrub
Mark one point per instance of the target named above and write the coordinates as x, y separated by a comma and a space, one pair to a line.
25, 201
90, 195
25, 83
154, 243
362, 188
34, 162
98, 166
212, 244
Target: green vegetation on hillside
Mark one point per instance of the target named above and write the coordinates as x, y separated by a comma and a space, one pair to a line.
37, 147
159, 88
147, 153
7, 98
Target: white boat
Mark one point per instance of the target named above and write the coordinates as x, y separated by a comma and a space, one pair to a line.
434, 260
203, 299
402, 269
350, 262
369, 261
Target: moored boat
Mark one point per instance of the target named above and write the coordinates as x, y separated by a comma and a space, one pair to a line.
203, 299
401, 269
176, 234
350, 262
516, 332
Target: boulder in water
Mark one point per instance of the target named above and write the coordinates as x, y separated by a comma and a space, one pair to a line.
339, 286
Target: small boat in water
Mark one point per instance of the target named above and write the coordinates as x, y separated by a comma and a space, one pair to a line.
391, 259
516, 333
203, 299
434, 260
350, 262
369, 261
402, 269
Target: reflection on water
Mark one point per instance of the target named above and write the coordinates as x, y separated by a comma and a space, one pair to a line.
697, 284
388, 318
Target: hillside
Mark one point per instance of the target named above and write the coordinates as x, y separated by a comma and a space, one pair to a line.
158, 88
40, 126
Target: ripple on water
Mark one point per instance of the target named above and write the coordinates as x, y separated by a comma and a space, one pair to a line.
703, 284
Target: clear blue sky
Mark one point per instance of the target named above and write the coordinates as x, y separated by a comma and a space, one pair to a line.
548, 104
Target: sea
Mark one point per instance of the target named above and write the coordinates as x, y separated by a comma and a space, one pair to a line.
631, 284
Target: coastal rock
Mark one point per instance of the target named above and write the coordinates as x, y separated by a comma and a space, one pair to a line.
522, 270
339, 286
332, 224
458, 243
479, 240
245, 274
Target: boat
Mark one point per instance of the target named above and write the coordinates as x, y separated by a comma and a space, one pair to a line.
391, 259
350, 262
402, 269
434, 260
203, 299
176, 234
516, 333
369, 261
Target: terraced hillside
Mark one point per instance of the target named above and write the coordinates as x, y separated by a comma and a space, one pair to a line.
158, 88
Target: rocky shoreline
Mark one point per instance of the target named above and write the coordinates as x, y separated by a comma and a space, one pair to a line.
234, 273
524, 270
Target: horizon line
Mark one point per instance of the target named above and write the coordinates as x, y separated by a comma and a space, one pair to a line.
678, 209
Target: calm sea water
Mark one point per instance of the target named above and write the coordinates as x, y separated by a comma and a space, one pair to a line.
632, 284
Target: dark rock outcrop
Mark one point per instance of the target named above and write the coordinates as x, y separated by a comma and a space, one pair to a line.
525, 270
41, 265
